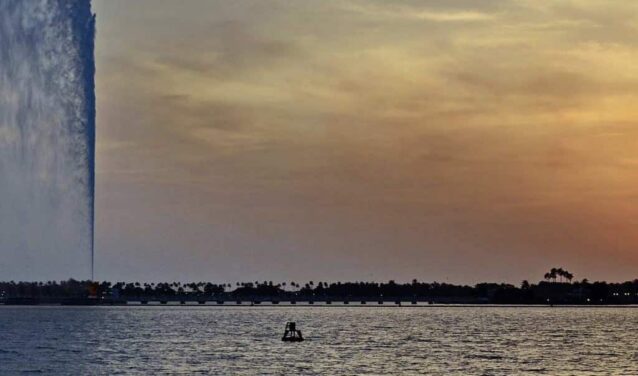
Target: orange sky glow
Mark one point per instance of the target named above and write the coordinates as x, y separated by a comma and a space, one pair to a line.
456, 141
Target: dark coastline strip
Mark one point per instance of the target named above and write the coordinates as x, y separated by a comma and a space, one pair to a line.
154, 304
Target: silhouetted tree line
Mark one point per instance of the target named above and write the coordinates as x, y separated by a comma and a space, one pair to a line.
557, 288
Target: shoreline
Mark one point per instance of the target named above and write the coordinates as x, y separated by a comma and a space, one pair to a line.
233, 305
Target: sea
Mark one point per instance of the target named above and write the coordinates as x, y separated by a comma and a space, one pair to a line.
340, 340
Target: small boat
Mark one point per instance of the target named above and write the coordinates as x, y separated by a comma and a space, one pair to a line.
291, 334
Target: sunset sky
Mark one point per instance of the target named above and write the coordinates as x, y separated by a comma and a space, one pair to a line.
456, 141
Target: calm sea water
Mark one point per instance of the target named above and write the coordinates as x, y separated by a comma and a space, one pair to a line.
340, 341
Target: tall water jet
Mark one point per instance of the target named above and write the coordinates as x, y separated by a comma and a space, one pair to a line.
47, 139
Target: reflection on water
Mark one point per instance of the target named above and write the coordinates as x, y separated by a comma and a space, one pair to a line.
340, 340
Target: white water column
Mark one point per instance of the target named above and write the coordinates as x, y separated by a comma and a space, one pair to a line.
47, 139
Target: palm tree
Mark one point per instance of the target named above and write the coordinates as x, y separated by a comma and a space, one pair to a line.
553, 273
569, 276
561, 273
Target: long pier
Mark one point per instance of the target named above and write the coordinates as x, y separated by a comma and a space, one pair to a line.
243, 301
275, 303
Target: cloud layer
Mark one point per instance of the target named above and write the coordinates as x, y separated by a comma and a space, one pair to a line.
361, 139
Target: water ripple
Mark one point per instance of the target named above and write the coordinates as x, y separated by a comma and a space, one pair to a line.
343, 340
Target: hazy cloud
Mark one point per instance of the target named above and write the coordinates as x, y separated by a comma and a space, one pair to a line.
278, 138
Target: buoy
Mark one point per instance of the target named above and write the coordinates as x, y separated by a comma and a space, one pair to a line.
291, 334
